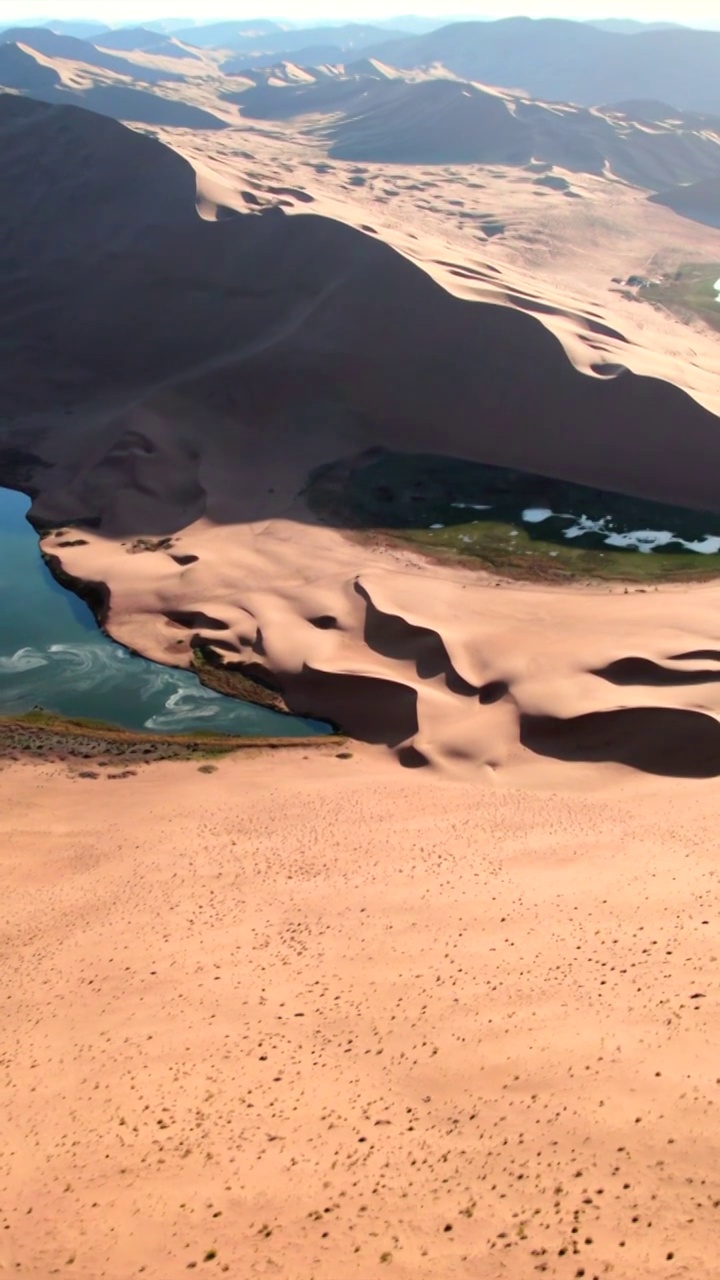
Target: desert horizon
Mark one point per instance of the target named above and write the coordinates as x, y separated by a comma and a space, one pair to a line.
360, 645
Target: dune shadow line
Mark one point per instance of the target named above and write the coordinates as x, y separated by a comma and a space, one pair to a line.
393, 637
665, 741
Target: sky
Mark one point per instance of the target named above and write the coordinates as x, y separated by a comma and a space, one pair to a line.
695, 12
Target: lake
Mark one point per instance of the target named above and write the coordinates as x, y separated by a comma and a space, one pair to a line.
53, 655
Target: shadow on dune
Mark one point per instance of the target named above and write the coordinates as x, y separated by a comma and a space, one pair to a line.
391, 636
69, 48
658, 740
134, 288
374, 710
146, 108
411, 758
641, 671
698, 655
698, 201
142, 40
20, 70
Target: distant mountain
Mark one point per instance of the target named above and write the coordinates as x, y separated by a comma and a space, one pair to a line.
571, 61
167, 26
415, 26
271, 39
229, 35
630, 26
314, 55
83, 30
143, 40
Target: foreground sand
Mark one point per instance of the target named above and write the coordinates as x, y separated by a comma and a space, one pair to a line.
322, 1018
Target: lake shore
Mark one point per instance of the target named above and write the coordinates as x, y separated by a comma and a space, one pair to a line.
41, 735
56, 654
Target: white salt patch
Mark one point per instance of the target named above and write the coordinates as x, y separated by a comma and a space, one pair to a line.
709, 546
717, 290
585, 525
536, 515
645, 540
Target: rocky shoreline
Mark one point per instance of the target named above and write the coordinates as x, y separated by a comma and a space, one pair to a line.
42, 735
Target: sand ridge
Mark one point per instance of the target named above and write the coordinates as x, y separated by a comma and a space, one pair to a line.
442, 666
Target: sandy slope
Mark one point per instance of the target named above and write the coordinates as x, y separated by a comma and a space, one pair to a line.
306, 1015
697, 200
369, 115
310, 341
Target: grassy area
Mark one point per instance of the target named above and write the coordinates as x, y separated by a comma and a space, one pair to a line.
43, 734
689, 291
458, 509
248, 682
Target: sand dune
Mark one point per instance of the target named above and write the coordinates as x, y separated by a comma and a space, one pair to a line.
697, 200
367, 111
19, 69
384, 118
140, 39
273, 310
369, 348
70, 49
30, 73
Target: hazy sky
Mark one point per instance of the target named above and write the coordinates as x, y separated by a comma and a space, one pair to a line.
696, 12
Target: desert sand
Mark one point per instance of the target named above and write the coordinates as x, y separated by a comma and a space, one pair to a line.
318, 1019
442, 1003
240, 354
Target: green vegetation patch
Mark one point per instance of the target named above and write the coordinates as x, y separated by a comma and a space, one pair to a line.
513, 522
42, 734
689, 291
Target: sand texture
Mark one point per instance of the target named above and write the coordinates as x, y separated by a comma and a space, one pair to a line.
317, 1020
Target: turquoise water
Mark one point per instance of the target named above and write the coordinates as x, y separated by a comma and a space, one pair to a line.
53, 656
